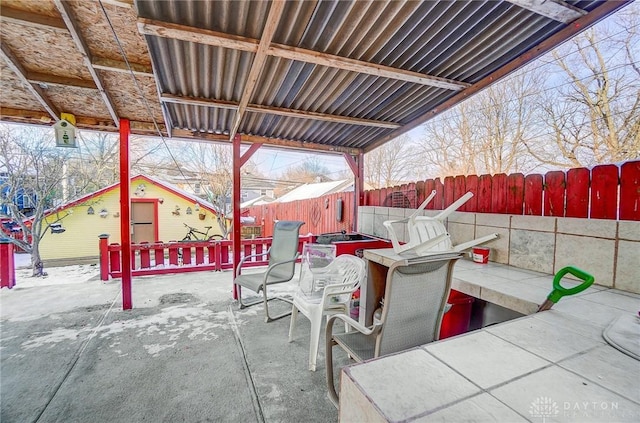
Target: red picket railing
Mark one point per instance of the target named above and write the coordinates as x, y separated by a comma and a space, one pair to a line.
160, 258
603, 192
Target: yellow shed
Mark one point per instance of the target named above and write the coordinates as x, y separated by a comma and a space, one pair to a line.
159, 212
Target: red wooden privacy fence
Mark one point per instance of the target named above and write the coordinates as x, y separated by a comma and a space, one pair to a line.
603, 192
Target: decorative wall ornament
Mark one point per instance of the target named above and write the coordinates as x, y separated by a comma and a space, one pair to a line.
90, 210
176, 211
56, 228
141, 190
104, 213
189, 211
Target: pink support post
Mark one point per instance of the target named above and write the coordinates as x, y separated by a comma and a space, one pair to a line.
125, 214
7, 265
236, 233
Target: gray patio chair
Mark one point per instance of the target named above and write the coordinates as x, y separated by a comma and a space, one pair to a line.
283, 254
414, 302
344, 276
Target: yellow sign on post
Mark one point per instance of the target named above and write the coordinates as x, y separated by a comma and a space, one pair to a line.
66, 131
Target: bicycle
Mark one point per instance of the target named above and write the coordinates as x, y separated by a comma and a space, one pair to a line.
195, 235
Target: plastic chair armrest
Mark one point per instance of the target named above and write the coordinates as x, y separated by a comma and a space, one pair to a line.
353, 323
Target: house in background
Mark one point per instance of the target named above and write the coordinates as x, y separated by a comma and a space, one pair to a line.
316, 190
254, 187
159, 212
23, 197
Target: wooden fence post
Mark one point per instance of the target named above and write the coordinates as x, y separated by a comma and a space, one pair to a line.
7, 265
104, 257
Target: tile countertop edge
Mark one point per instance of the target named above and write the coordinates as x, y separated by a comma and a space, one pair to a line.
495, 296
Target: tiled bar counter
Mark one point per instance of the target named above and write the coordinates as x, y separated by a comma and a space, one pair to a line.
548, 366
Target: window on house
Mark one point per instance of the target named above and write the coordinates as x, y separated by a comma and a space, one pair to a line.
263, 192
196, 188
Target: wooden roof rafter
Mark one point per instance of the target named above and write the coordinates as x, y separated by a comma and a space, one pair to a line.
280, 111
557, 10
275, 12
69, 21
218, 39
35, 89
34, 20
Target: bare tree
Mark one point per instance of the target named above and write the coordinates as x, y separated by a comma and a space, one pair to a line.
391, 163
448, 146
308, 171
594, 115
33, 168
211, 164
487, 133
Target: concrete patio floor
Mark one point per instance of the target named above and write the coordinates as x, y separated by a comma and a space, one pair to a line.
69, 353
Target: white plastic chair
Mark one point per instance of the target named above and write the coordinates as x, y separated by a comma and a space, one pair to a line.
428, 234
348, 272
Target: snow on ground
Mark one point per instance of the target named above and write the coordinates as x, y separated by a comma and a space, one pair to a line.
79, 273
21, 260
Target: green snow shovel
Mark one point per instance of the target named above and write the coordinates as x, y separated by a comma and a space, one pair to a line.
559, 291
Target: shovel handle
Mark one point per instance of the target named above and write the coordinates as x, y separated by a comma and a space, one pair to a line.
559, 291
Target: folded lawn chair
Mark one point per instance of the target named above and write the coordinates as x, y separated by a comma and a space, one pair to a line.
282, 259
428, 234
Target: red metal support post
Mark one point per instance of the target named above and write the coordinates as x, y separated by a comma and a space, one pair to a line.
237, 230
125, 214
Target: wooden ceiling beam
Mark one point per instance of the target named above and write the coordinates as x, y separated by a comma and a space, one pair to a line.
280, 111
275, 12
38, 117
359, 66
35, 90
111, 65
63, 81
64, 9
218, 39
127, 4
34, 20
272, 142
557, 10
148, 129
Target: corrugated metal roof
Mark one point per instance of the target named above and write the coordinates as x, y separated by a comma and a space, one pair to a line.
324, 74
459, 40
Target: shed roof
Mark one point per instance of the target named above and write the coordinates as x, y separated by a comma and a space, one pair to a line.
343, 76
316, 190
135, 179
